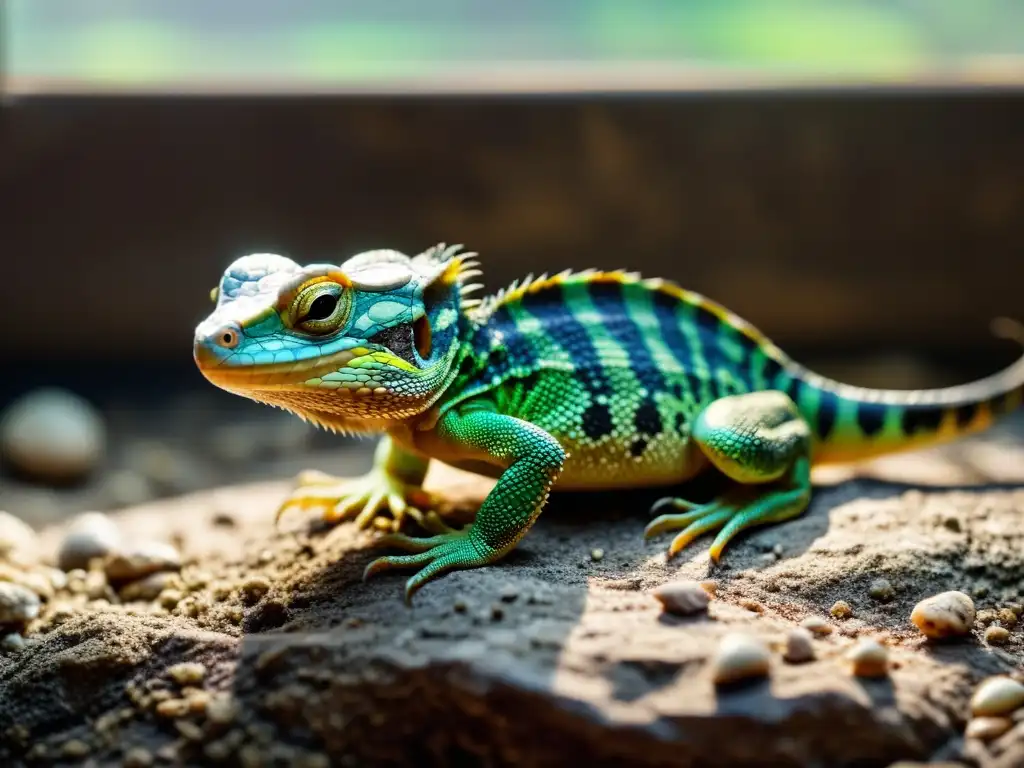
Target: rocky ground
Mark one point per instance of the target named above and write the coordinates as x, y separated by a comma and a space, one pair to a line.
183, 628
263, 646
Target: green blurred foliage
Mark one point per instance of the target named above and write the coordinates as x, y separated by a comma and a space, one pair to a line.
140, 40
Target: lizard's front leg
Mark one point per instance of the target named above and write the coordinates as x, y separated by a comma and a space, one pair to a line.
394, 484
760, 441
533, 460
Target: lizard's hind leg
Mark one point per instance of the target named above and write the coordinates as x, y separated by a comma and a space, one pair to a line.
754, 439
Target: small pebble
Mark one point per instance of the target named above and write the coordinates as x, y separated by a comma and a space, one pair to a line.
752, 605
173, 708
254, 588
18, 605
997, 696
75, 748
19, 542
52, 435
137, 757
221, 709
816, 625
710, 586
142, 559
12, 643
170, 598
1007, 617
509, 593
683, 598
841, 610
946, 614
869, 658
995, 635
150, 587
597, 555
89, 535
986, 616
187, 673
799, 646
987, 728
881, 590
740, 657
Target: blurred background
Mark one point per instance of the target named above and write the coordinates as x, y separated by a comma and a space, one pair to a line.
849, 176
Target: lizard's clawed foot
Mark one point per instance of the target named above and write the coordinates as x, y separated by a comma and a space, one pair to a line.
456, 549
733, 512
368, 499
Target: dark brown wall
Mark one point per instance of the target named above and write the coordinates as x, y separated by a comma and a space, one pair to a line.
830, 220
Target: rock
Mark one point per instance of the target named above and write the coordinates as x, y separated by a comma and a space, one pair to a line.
740, 657
18, 605
52, 435
996, 635
187, 673
327, 659
869, 658
138, 757
254, 588
683, 598
997, 696
91, 535
150, 587
12, 643
987, 728
19, 543
138, 560
817, 625
841, 609
946, 614
881, 590
799, 646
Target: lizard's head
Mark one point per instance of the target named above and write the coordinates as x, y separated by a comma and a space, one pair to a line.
372, 339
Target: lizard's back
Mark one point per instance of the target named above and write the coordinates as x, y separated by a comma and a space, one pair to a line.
615, 368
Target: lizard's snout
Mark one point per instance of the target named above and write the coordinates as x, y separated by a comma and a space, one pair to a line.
211, 346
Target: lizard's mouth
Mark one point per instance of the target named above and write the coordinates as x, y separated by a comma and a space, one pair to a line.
285, 375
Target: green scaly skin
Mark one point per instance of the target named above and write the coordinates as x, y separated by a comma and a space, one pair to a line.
578, 381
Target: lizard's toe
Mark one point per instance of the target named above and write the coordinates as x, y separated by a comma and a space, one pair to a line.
436, 554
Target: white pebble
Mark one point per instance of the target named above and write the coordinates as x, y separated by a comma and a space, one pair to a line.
140, 560
799, 646
997, 696
683, 598
18, 604
816, 625
89, 535
12, 642
740, 657
946, 614
869, 658
19, 542
52, 435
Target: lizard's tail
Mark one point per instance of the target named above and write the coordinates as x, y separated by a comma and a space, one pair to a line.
852, 423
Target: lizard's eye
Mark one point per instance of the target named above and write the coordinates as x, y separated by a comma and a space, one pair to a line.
321, 308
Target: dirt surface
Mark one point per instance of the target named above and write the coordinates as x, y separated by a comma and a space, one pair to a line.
560, 652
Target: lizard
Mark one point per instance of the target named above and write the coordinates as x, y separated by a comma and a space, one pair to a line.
585, 380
